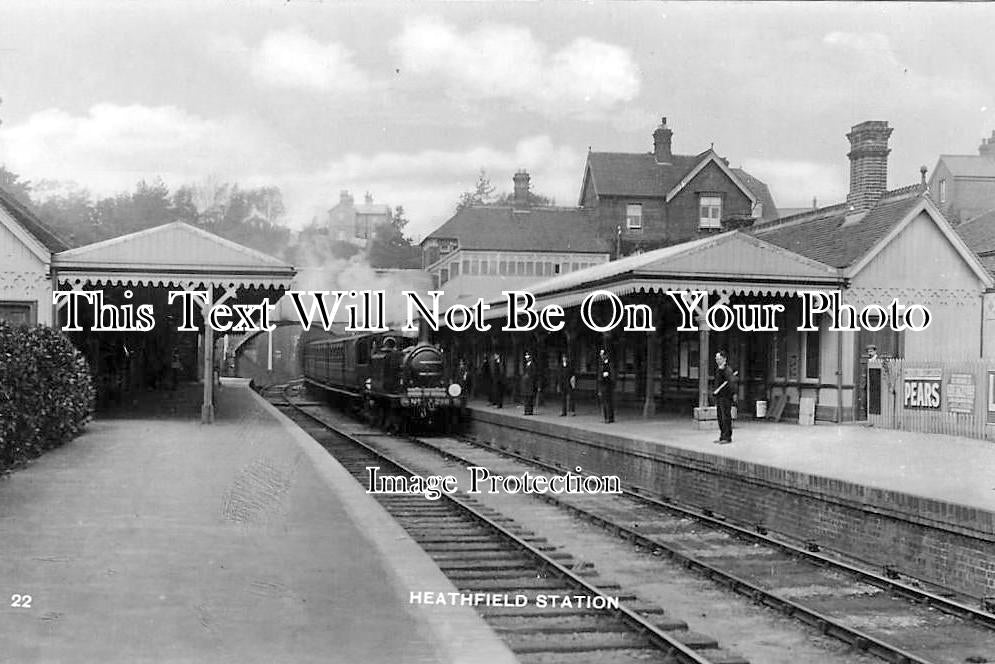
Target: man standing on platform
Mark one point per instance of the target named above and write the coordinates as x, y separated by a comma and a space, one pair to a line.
530, 383
497, 381
606, 385
724, 392
567, 382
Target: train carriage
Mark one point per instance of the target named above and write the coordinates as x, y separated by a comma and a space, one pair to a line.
397, 382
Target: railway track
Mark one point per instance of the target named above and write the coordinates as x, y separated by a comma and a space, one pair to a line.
876, 613
545, 606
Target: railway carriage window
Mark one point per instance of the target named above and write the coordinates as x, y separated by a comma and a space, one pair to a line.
362, 352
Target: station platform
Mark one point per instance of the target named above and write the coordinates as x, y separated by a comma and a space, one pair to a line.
924, 503
153, 538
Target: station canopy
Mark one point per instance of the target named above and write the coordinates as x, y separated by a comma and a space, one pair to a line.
731, 263
175, 255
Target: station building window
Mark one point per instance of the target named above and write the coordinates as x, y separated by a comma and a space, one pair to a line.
443, 276
454, 269
466, 266
634, 217
17, 313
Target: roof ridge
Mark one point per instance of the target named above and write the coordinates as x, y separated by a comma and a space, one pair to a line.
797, 217
11, 200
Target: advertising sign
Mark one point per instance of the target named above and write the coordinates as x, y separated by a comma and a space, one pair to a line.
922, 388
991, 397
960, 393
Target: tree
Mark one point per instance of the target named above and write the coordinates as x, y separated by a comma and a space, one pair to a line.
534, 200
15, 186
389, 247
481, 194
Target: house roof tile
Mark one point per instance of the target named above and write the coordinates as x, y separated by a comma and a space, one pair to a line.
635, 174
537, 229
830, 235
968, 165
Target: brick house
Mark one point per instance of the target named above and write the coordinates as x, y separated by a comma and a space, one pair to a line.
354, 223
963, 186
642, 201
484, 249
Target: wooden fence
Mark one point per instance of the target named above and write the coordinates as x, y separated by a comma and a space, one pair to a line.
931, 397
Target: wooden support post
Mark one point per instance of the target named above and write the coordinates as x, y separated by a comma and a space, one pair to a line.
703, 353
207, 408
649, 402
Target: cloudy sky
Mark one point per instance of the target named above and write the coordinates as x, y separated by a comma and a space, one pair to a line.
409, 100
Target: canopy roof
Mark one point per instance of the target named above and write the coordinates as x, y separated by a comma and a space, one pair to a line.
175, 254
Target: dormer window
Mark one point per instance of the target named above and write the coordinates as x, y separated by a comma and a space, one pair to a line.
634, 217
709, 211
943, 191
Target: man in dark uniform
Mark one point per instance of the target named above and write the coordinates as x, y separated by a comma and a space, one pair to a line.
724, 392
606, 384
567, 382
497, 381
530, 383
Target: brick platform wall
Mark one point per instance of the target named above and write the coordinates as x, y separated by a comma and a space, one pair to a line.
940, 542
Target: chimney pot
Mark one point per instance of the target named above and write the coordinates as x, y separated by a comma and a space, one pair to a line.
521, 195
868, 163
662, 139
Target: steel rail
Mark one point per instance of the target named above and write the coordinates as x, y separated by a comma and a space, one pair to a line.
667, 644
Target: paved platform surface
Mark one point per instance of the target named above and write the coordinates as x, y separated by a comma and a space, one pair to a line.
946, 468
163, 540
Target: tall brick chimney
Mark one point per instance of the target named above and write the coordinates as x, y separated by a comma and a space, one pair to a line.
868, 163
662, 143
987, 147
521, 197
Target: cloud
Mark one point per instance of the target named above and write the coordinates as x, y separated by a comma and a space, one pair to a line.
111, 147
872, 44
505, 62
291, 59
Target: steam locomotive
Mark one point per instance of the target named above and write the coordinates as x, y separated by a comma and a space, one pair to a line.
395, 382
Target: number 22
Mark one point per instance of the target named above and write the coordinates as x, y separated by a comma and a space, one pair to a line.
20, 601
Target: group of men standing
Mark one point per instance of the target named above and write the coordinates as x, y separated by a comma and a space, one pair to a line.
531, 381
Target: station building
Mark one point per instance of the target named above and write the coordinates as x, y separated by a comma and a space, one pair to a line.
878, 246
26, 250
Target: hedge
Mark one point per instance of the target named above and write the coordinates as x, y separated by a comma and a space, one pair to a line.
46, 392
